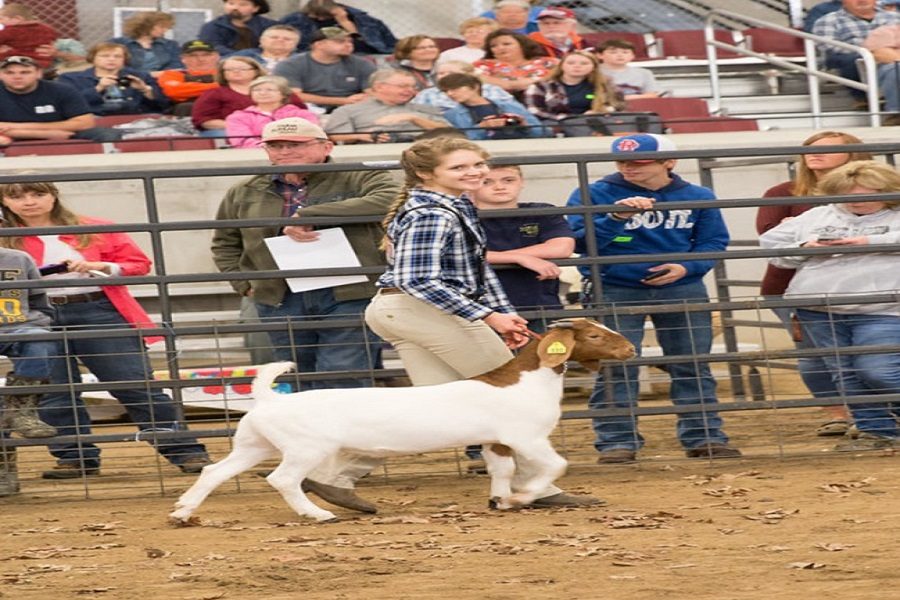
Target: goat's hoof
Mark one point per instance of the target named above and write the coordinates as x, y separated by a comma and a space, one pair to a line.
184, 521
519, 500
326, 517
497, 503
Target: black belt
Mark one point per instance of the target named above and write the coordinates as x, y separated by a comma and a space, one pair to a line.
75, 298
391, 290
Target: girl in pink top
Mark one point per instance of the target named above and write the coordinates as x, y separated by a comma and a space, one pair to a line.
270, 95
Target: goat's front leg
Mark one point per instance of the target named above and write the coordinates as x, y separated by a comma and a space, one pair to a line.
501, 467
538, 465
212, 476
287, 477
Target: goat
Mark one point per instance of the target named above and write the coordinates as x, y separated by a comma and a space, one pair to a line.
515, 406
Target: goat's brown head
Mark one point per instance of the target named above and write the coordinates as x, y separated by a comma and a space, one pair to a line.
583, 340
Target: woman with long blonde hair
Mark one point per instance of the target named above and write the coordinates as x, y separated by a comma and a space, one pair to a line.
810, 168
864, 219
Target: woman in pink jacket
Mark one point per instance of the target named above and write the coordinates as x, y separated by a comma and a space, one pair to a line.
270, 95
101, 308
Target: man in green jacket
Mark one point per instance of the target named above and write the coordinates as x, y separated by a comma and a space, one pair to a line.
235, 249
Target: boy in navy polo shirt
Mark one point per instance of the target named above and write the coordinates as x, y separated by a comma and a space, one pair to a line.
526, 242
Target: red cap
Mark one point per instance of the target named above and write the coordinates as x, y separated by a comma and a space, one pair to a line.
556, 12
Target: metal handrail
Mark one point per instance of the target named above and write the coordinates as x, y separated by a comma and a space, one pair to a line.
813, 74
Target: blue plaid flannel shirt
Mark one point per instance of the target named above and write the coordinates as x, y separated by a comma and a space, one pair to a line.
844, 27
434, 259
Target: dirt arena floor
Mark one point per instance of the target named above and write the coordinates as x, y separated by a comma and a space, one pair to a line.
790, 520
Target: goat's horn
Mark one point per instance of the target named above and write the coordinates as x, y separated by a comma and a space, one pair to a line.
561, 324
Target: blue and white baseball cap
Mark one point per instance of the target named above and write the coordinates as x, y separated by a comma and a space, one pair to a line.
642, 142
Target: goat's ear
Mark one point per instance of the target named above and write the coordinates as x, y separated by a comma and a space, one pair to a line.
556, 347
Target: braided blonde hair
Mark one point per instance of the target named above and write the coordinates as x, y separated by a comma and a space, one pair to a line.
423, 156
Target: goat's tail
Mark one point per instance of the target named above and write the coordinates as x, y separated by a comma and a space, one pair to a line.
265, 377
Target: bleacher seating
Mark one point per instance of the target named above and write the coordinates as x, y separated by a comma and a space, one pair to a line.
53, 148
689, 115
692, 43
768, 41
447, 43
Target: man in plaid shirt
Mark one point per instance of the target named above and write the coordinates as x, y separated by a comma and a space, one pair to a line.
851, 24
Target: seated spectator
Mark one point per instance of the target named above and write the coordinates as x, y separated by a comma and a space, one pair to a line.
276, 44
869, 221
851, 25
198, 75
433, 96
271, 96
513, 61
34, 109
482, 119
818, 11
575, 87
884, 42
388, 115
632, 82
517, 16
891, 5
68, 55
148, 48
417, 54
328, 75
370, 35
239, 28
473, 32
23, 35
111, 88
232, 92
556, 31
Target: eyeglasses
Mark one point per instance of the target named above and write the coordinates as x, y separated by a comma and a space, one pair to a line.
431, 47
238, 69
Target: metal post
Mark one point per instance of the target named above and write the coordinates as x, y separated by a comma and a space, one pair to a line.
714, 83
812, 82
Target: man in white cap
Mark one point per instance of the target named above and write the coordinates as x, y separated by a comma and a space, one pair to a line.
556, 31
642, 187
291, 143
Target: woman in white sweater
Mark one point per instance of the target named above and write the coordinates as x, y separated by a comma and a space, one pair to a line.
868, 222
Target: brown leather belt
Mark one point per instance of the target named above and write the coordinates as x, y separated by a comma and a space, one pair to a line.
75, 298
391, 290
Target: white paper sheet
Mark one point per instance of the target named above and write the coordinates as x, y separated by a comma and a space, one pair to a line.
332, 249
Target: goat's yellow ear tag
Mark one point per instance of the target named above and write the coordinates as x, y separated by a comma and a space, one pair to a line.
557, 348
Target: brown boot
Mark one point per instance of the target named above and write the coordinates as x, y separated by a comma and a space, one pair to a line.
9, 475
20, 411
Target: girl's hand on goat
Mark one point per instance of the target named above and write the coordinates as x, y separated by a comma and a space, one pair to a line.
512, 328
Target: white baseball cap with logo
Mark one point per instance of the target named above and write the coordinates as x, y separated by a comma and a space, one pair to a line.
293, 129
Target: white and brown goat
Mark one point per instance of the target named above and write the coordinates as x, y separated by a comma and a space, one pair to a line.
515, 406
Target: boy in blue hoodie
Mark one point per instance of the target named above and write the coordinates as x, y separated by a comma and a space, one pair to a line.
644, 226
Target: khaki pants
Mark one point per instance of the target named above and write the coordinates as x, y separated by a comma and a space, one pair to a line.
435, 348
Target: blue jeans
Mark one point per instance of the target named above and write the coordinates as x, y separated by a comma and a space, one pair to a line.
814, 372
863, 374
692, 383
321, 350
889, 84
109, 359
30, 358
845, 64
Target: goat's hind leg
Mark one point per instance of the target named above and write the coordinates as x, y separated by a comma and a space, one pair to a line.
288, 476
214, 475
501, 467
